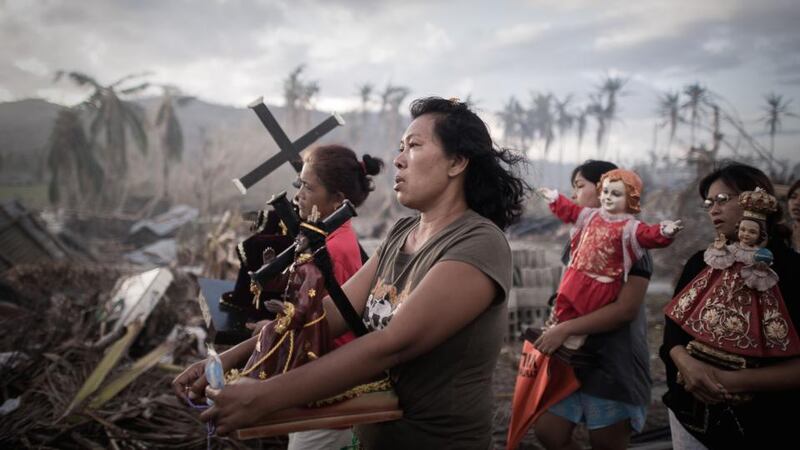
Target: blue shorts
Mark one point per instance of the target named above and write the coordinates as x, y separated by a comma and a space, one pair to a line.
598, 412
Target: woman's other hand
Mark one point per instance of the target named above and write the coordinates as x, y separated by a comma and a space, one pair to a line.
191, 383
552, 338
698, 378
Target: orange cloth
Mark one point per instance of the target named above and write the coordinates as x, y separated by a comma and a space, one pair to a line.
542, 381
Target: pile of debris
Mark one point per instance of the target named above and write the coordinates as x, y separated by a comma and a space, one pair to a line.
87, 355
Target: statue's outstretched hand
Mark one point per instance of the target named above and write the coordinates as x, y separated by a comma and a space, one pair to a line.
256, 326
268, 255
670, 228
548, 194
274, 306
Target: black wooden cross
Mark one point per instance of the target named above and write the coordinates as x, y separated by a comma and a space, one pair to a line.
288, 151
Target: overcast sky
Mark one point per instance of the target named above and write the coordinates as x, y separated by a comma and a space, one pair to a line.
230, 52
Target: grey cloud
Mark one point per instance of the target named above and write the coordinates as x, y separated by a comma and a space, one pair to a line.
568, 45
134, 36
143, 34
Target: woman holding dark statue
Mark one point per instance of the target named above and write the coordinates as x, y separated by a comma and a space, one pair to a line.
433, 297
330, 174
730, 335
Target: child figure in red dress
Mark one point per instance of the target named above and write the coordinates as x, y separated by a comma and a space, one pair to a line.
605, 242
734, 306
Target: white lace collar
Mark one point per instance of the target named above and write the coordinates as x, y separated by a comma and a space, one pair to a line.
741, 254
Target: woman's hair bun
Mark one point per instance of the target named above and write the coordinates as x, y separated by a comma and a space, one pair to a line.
372, 165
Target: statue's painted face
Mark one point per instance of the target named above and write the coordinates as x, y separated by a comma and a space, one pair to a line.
749, 233
612, 196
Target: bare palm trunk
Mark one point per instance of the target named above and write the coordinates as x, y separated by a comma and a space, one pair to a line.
772, 144
165, 190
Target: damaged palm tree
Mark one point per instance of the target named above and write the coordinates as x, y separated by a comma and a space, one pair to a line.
112, 120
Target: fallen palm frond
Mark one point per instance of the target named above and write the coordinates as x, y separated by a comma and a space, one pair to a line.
111, 358
124, 379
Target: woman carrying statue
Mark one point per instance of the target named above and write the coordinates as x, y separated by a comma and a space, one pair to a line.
330, 175
614, 395
730, 344
433, 297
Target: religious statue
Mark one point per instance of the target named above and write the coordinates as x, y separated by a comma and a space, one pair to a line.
733, 308
605, 242
299, 332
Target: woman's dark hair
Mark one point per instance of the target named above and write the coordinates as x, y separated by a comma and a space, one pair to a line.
339, 170
493, 186
793, 188
592, 170
741, 177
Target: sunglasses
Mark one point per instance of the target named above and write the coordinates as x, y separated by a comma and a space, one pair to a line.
720, 200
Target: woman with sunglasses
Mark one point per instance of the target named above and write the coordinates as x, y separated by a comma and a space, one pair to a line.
702, 413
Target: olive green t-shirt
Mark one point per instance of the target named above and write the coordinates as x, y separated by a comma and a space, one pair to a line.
446, 394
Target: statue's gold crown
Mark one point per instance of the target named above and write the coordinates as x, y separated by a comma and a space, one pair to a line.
758, 204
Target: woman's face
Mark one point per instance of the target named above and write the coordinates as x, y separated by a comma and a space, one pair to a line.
584, 192
749, 233
794, 205
312, 193
724, 210
422, 165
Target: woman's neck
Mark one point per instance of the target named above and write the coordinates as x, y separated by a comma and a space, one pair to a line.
434, 220
796, 235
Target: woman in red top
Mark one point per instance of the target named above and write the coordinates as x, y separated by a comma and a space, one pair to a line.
331, 174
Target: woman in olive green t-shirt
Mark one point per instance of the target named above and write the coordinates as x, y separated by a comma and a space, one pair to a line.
448, 170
